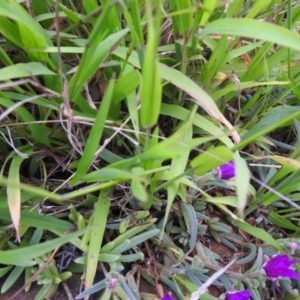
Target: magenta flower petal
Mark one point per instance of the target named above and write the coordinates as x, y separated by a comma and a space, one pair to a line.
167, 297
242, 295
279, 266
227, 171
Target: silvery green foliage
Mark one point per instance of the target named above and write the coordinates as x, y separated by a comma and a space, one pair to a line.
290, 245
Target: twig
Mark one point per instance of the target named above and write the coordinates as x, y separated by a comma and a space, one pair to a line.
203, 287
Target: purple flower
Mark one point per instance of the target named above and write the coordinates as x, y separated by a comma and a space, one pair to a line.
243, 295
293, 246
226, 171
167, 297
112, 282
279, 266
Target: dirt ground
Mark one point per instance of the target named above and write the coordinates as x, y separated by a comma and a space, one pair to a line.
74, 283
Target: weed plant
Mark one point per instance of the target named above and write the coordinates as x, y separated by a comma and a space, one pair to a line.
138, 136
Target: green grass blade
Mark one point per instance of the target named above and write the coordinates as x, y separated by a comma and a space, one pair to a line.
14, 192
127, 235
178, 166
242, 179
257, 8
50, 223
185, 83
98, 47
24, 70
90, 5
94, 138
12, 278
23, 256
208, 7
254, 29
13, 10
151, 90
126, 85
136, 29
278, 117
257, 232
101, 211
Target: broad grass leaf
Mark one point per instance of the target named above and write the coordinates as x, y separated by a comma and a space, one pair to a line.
100, 215
183, 114
107, 174
74, 17
244, 85
12, 278
242, 179
150, 94
199, 95
14, 192
278, 117
282, 222
23, 256
257, 8
10, 31
208, 7
138, 189
126, 85
142, 237
4, 270
285, 185
227, 200
178, 166
33, 39
39, 132
182, 22
91, 60
22, 70
14, 11
33, 219
289, 163
254, 29
90, 5
127, 235
95, 135
186, 84
151, 89
258, 233
135, 24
